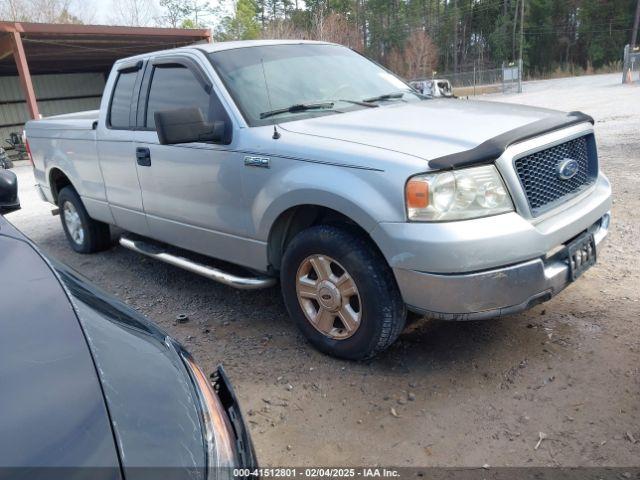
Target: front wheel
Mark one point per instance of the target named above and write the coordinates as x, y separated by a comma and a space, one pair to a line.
85, 235
341, 292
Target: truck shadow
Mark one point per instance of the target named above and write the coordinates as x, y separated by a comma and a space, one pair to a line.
438, 343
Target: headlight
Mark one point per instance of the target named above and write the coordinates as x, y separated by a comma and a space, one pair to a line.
221, 451
457, 195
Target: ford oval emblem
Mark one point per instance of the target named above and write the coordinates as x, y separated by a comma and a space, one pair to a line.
567, 168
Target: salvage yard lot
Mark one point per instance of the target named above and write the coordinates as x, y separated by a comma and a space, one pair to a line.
446, 394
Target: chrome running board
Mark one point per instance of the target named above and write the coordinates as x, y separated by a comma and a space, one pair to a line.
155, 251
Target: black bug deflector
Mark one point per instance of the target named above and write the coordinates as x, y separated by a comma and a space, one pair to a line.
489, 151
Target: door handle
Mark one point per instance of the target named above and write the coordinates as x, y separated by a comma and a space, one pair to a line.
143, 157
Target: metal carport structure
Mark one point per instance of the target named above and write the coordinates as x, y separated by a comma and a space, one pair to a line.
28, 49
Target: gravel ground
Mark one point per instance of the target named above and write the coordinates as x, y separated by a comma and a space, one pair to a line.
446, 394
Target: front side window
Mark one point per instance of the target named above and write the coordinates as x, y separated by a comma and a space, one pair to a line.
121, 100
172, 88
267, 78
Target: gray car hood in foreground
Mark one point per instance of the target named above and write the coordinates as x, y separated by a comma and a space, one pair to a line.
427, 129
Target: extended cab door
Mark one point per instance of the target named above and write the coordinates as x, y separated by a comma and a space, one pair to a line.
116, 147
192, 193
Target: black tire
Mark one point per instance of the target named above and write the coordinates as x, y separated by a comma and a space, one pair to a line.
5, 162
96, 235
383, 312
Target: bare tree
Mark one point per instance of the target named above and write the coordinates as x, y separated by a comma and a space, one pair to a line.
174, 12
318, 19
13, 10
282, 29
45, 11
336, 28
418, 58
133, 13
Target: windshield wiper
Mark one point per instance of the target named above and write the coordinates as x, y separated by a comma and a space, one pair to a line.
300, 107
386, 96
362, 103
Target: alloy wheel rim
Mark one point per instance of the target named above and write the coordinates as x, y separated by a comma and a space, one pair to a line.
73, 223
329, 297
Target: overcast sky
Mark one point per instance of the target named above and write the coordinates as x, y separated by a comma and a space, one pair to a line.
101, 11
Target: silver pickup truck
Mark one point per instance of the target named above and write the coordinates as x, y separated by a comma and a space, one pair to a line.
306, 162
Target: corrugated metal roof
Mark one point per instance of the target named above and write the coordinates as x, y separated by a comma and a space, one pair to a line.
58, 48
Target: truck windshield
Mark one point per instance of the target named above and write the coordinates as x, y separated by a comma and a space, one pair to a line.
275, 77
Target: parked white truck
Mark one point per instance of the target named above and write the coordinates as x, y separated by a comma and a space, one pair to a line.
305, 162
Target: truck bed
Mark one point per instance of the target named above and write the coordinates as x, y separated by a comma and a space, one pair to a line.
68, 144
70, 121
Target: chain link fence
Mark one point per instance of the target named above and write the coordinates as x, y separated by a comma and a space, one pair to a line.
506, 79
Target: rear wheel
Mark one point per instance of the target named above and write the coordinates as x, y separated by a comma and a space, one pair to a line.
85, 235
341, 292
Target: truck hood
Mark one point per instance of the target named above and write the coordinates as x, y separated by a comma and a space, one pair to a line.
427, 130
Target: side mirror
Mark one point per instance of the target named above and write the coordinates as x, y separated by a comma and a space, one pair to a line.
8, 192
186, 125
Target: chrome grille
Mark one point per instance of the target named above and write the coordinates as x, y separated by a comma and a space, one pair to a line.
541, 181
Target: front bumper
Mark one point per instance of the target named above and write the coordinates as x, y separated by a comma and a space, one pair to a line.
490, 293
479, 244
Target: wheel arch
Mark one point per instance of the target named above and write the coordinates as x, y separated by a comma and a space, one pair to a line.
58, 180
297, 218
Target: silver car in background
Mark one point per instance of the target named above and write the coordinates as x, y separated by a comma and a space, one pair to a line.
306, 162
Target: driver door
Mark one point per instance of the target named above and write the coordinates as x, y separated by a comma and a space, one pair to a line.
191, 192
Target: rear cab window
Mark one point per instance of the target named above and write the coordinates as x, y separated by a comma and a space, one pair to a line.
121, 100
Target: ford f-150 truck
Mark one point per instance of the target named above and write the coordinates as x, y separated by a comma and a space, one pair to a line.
306, 162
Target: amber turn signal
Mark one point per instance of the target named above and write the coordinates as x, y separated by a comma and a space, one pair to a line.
417, 194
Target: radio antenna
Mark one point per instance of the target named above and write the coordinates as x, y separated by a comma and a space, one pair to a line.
276, 134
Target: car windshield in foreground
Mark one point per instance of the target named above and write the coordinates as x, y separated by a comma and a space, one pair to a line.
289, 81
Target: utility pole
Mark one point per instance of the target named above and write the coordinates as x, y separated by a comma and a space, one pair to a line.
521, 46
196, 7
513, 31
455, 37
634, 33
